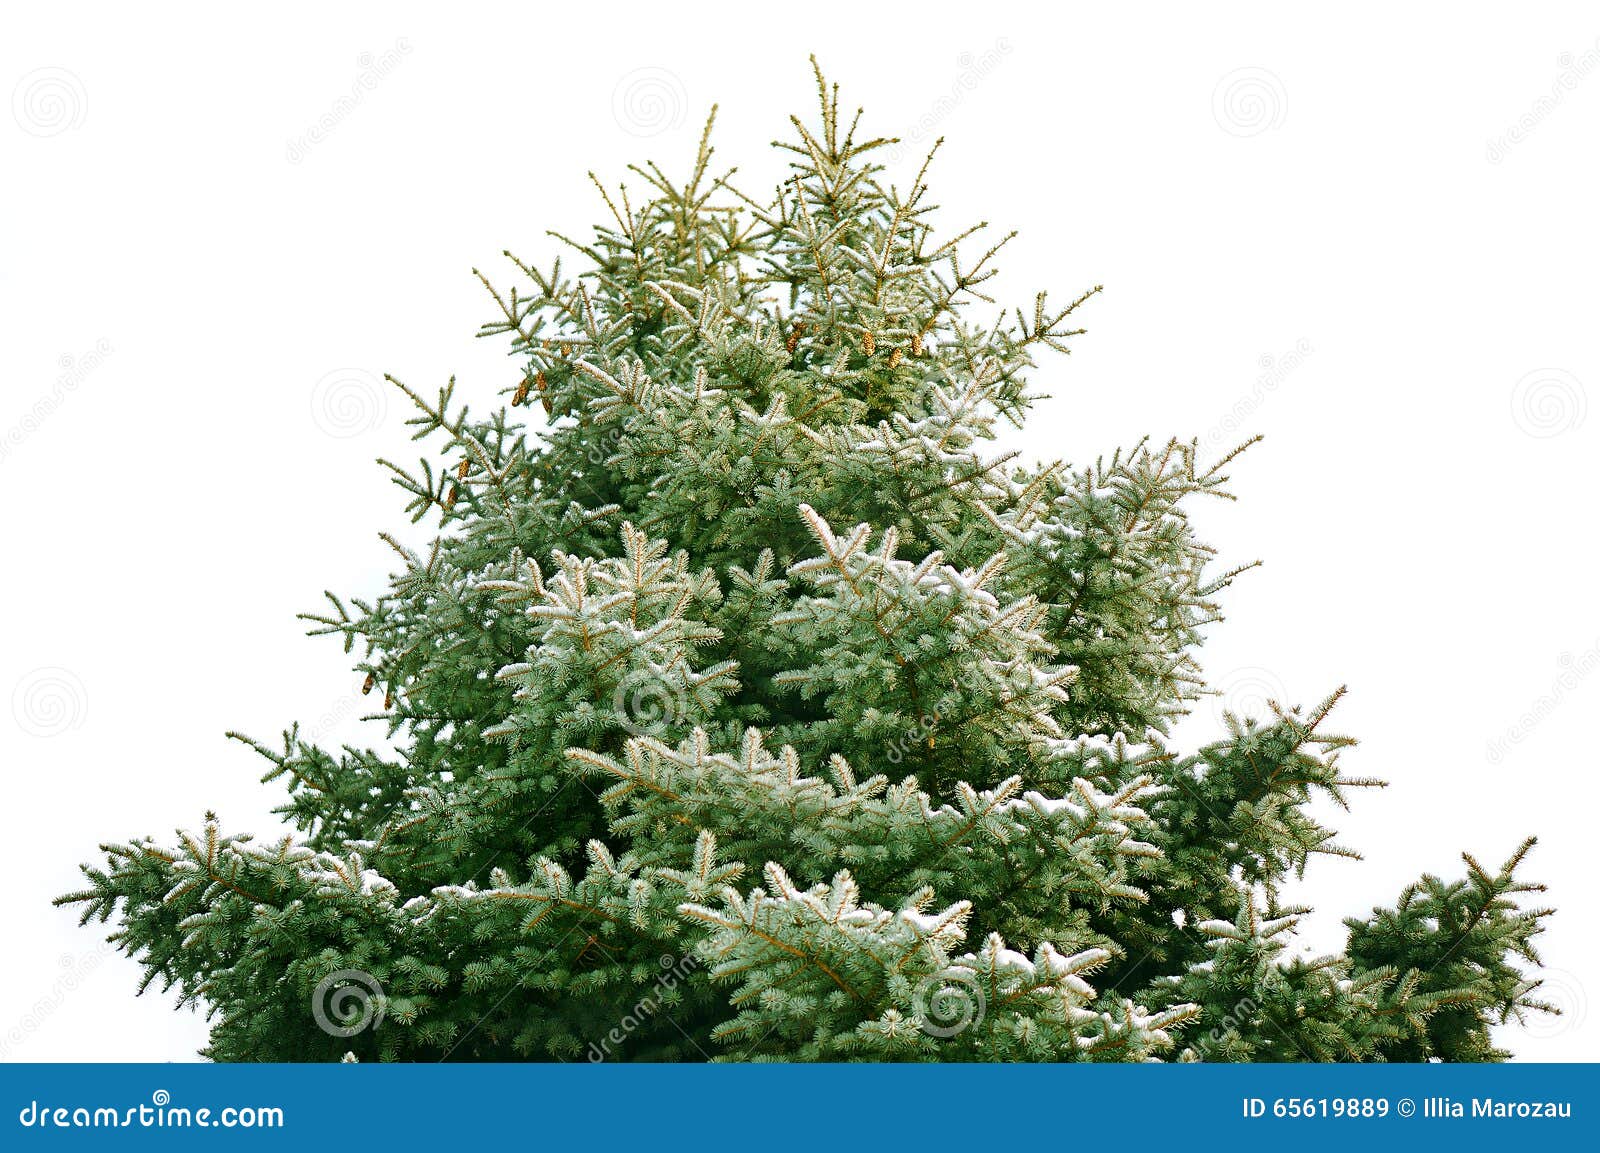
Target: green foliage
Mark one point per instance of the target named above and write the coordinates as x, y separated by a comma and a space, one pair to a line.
745, 708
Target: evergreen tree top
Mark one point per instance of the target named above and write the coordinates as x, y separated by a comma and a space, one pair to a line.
747, 705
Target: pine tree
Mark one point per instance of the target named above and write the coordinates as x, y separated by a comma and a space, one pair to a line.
744, 707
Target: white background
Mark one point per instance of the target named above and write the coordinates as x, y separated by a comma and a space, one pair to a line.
197, 295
